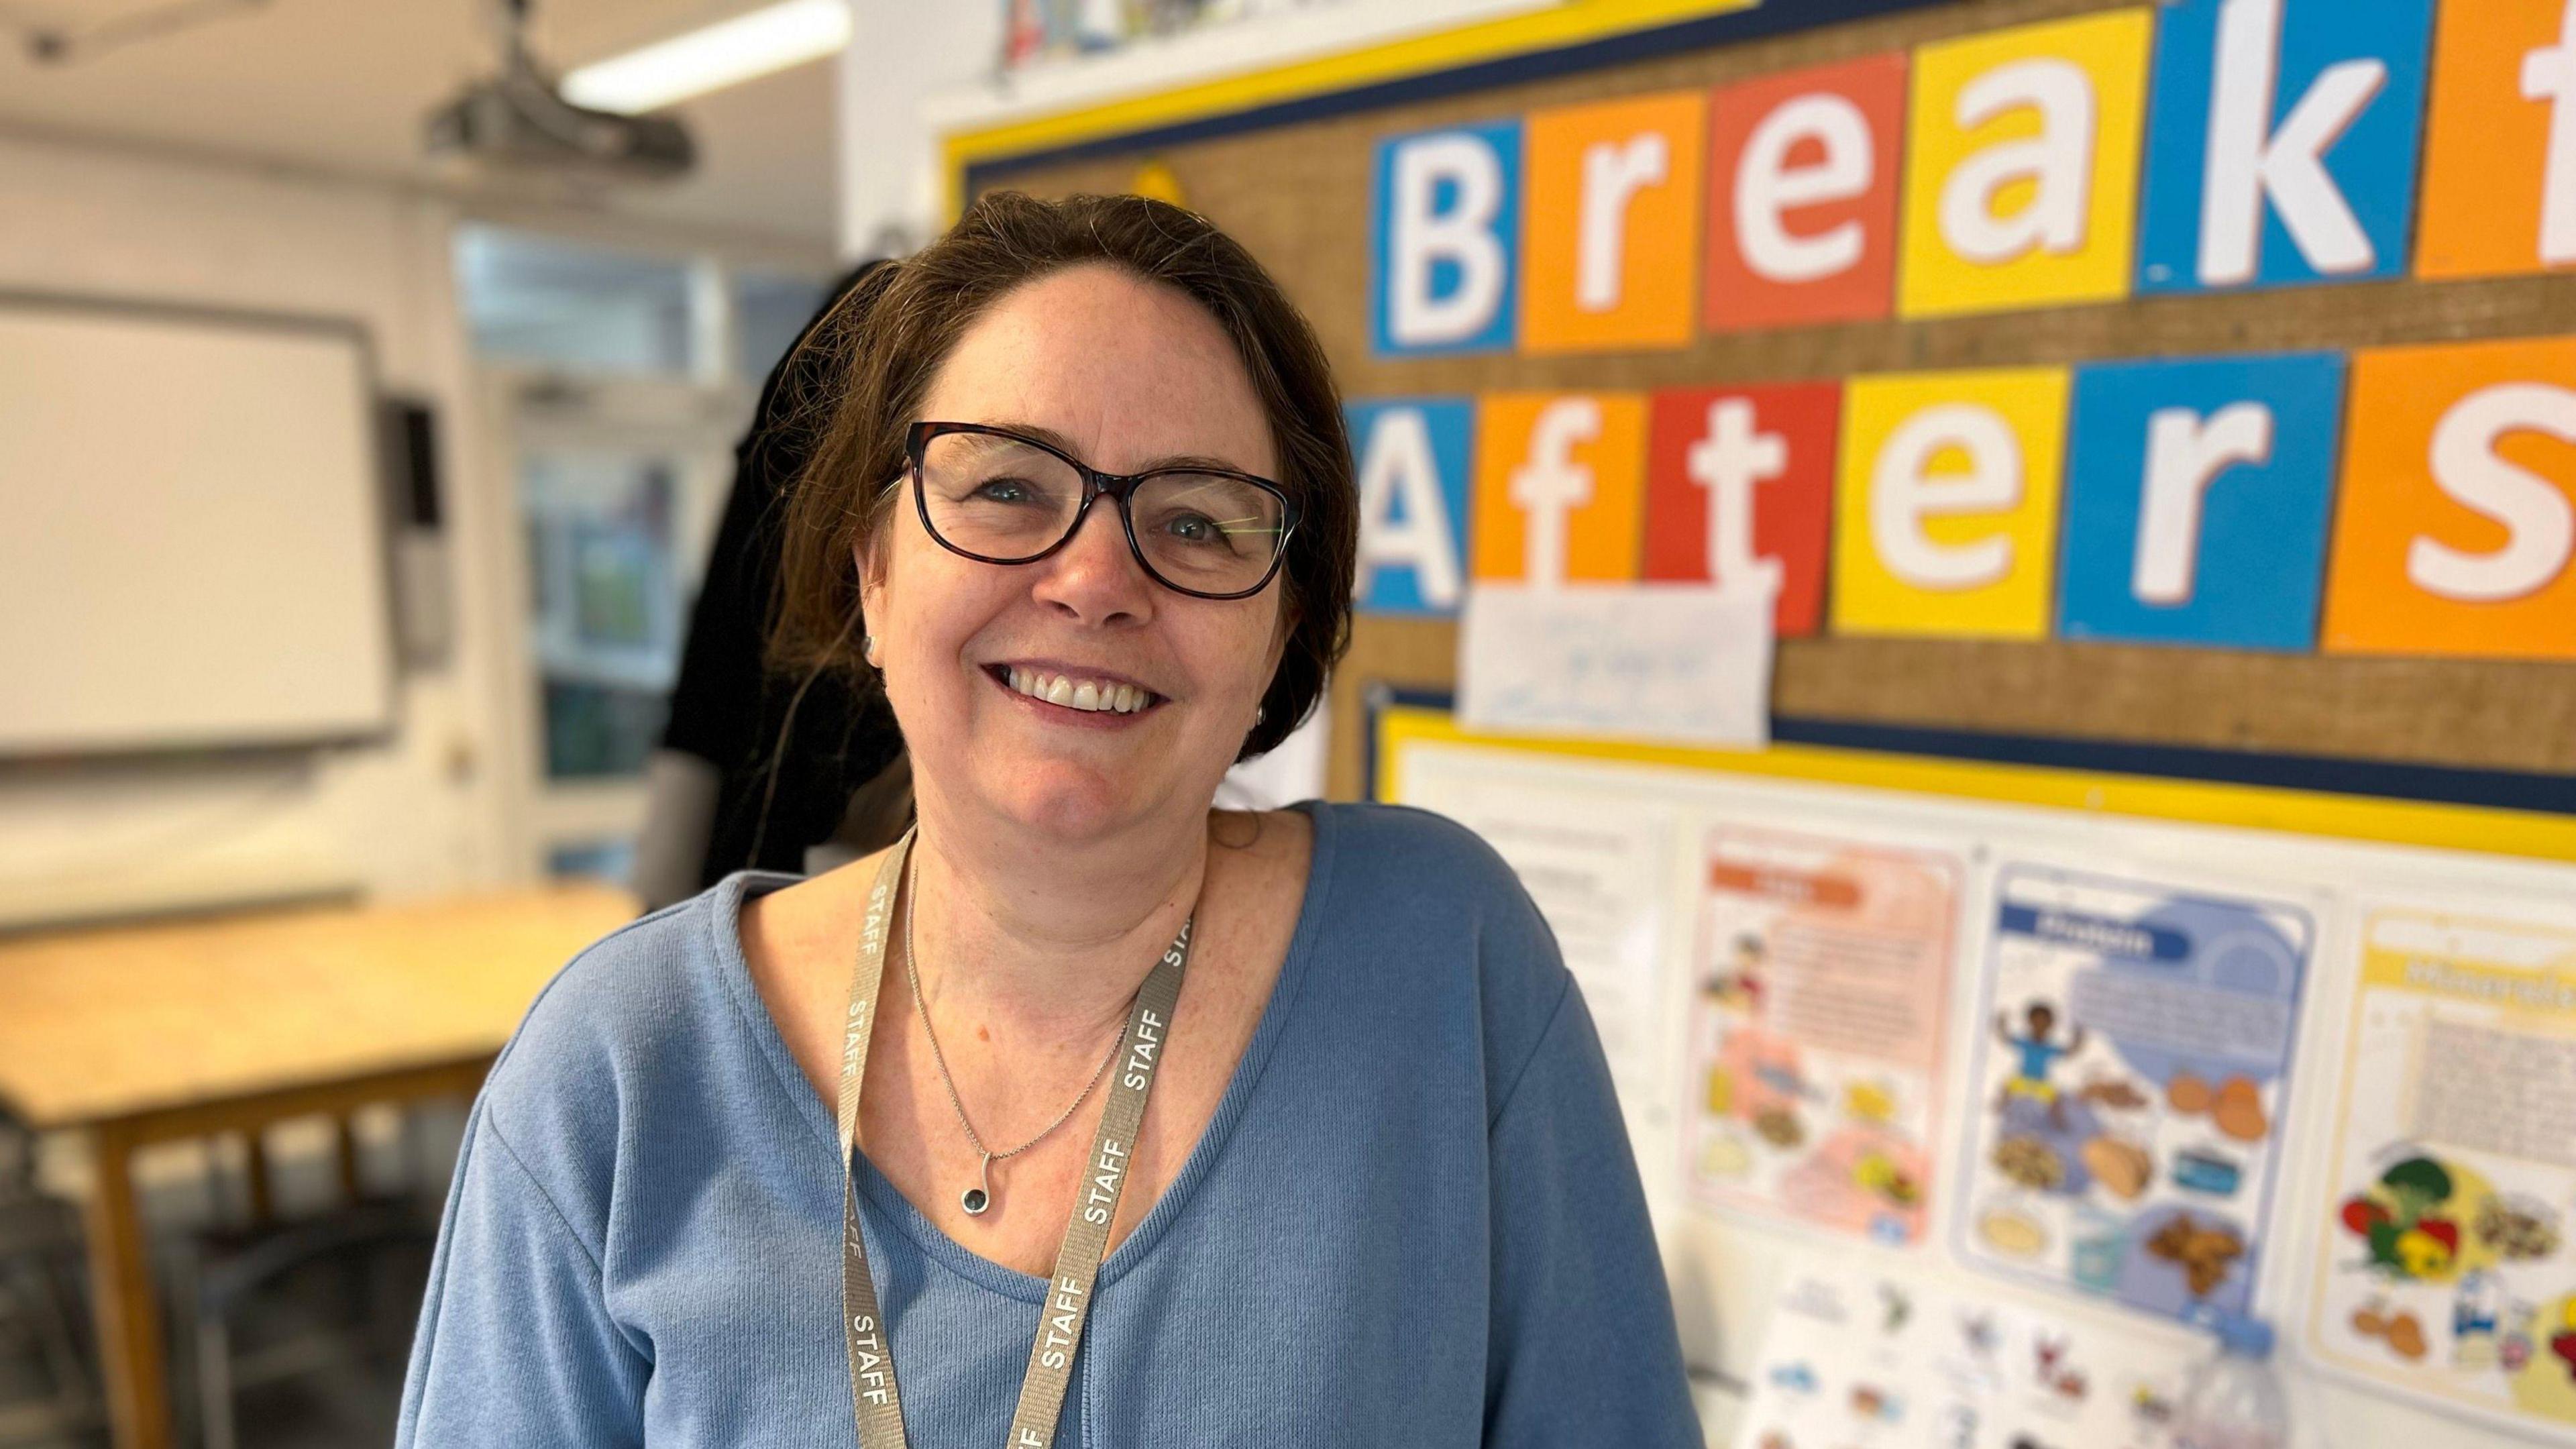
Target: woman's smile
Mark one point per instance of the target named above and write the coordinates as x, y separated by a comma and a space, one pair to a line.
1073, 696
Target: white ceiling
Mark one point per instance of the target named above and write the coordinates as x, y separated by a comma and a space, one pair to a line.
342, 86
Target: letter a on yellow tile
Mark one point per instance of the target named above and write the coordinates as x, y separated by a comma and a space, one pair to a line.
2021, 185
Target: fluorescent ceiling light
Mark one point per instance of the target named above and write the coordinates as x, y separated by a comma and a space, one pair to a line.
726, 53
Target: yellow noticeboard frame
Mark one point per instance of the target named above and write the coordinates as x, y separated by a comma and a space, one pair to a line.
2438, 825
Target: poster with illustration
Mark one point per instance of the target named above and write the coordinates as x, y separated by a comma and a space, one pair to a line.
2134, 1046
1821, 969
1856, 1359
2444, 1267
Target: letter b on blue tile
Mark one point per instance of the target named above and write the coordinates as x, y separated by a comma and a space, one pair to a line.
1444, 237
2281, 142
2197, 498
1413, 460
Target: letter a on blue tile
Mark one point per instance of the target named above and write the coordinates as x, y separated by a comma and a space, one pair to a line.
1444, 229
1413, 460
2197, 498
2281, 142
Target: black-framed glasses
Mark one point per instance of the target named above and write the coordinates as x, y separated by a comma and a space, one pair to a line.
999, 497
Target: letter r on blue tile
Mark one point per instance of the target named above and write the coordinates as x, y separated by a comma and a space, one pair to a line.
2197, 498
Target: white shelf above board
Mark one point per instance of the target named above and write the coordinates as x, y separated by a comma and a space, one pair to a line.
1148, 67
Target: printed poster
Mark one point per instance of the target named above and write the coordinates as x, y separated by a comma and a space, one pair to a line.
1597, 869
2134, 1050
1862, 1360
2444, 1267
1821, 972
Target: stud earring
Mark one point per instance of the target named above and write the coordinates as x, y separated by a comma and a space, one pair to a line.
868, 649
1258, 714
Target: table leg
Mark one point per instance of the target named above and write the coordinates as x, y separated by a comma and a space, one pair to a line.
129, 1319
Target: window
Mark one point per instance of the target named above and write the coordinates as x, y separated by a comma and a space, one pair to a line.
534, 299
769, 313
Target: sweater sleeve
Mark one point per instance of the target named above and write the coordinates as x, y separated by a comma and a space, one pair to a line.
516, 1345
1583, 1348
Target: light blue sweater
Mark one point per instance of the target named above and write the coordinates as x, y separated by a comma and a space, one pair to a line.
1413, 1221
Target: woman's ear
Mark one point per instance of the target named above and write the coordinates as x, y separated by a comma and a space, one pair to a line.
870, 557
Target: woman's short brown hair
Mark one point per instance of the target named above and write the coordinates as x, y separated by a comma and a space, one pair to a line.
892, 332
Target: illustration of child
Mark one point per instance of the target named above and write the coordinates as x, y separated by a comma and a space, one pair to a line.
2039, 1055
1739, 989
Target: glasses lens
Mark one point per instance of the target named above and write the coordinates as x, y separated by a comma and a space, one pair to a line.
997, 497
1208, 532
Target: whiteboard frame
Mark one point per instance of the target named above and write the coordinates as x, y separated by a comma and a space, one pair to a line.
379, 504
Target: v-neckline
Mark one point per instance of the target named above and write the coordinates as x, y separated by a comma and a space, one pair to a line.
725, 920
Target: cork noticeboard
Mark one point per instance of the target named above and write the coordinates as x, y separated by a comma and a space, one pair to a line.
2500, 732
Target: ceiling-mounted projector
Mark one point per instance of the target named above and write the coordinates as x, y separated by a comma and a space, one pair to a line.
519, 121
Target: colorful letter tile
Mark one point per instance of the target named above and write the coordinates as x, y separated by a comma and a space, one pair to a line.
2281, 142
1945, 508
2197, 494
2022, 166
1412, 456
1803, 173
2500, 145
1610, 240
1740, 481
1560, 487
2455, 530
1444, 228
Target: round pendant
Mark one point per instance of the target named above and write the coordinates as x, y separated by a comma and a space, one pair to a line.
974, 1200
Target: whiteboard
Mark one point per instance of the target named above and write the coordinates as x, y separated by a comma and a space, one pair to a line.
192, 542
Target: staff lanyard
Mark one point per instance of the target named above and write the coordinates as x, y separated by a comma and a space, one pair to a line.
1086, 1234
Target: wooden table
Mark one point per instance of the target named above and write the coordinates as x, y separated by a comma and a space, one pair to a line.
141, 1034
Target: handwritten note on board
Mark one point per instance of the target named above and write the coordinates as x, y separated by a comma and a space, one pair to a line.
1677, 662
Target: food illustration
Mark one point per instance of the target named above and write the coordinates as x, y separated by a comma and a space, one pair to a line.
1725, 1156
1870, 1102
2030, 1162
2518, 1228
2114, 1093
2408, 1221
2205, 1251
2403, 1330
2239, 1112
2206, 1172
1878, 1173
2013, 1232
1780, 1127
2123, 1168
2234, 1106
2562, 1337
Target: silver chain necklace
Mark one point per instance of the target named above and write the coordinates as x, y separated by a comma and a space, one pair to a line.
978, 1199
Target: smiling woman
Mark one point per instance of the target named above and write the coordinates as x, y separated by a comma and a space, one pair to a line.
1201, 1128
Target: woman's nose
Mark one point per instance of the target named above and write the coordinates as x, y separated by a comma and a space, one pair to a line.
1096, 574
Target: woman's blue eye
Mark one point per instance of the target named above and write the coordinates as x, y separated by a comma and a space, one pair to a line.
1003, 490
1194, 528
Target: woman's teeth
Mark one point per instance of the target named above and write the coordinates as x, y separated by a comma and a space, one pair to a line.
1087, 695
